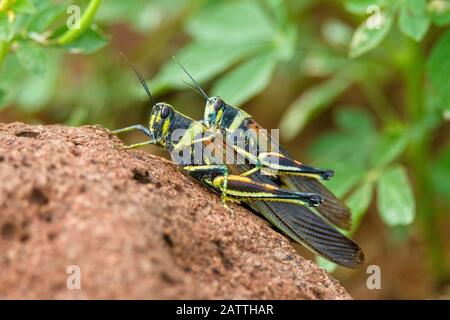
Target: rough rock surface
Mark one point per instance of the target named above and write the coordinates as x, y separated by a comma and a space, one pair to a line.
134, 224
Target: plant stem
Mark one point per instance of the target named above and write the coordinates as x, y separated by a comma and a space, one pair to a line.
86, 20
419, 149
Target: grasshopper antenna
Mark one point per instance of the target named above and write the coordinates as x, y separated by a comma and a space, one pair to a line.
193, 88
140, 77
199, 89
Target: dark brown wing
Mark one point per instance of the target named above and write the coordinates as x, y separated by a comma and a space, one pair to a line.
331, 208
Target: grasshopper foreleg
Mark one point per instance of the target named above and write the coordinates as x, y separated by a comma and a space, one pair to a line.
135, 127
131, 128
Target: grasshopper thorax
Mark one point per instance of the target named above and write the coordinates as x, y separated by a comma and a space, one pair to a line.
213, 111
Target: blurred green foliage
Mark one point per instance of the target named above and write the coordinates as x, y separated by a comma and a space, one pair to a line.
395, 54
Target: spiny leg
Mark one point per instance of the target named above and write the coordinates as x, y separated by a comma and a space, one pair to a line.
139, 127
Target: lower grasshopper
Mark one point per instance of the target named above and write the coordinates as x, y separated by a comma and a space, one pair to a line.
293, 174
285, 209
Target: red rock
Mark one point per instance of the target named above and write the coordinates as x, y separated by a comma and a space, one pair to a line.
134, 224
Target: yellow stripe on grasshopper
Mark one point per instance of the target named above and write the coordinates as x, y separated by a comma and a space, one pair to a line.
219, 181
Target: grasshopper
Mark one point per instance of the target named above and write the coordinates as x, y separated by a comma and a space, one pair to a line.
287, 210
227, 119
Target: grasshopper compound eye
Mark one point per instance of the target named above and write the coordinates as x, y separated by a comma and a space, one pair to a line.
165, 112
218, 104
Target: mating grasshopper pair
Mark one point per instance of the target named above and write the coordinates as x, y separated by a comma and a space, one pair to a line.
283, 199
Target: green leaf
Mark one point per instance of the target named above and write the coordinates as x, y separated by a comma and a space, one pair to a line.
358, 202
388, 147
231, 22
370, 33
439, 11
46, 15
351, 145
24, 6
247, 80
354, 121
203, 61
413, 20
311, 102
6, 28
438, 69
35, 92
346, 175
89, 42
395, 200
31, 56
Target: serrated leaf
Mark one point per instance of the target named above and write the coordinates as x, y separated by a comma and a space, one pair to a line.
413, 20
89, 42
24, 6
311, 102
247, 80
6, 28
395, 199
203, 61
438, 69
31, 56
370, 34
231, 22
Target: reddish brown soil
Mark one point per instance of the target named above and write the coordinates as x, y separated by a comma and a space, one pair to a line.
134, 224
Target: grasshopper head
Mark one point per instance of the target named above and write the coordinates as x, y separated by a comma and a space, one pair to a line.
214, 109
160, 120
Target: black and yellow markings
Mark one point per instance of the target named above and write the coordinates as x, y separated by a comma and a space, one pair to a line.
286, 209
245, 188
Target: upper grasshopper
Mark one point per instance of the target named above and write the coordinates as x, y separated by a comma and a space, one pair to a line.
227, 119
287, 210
